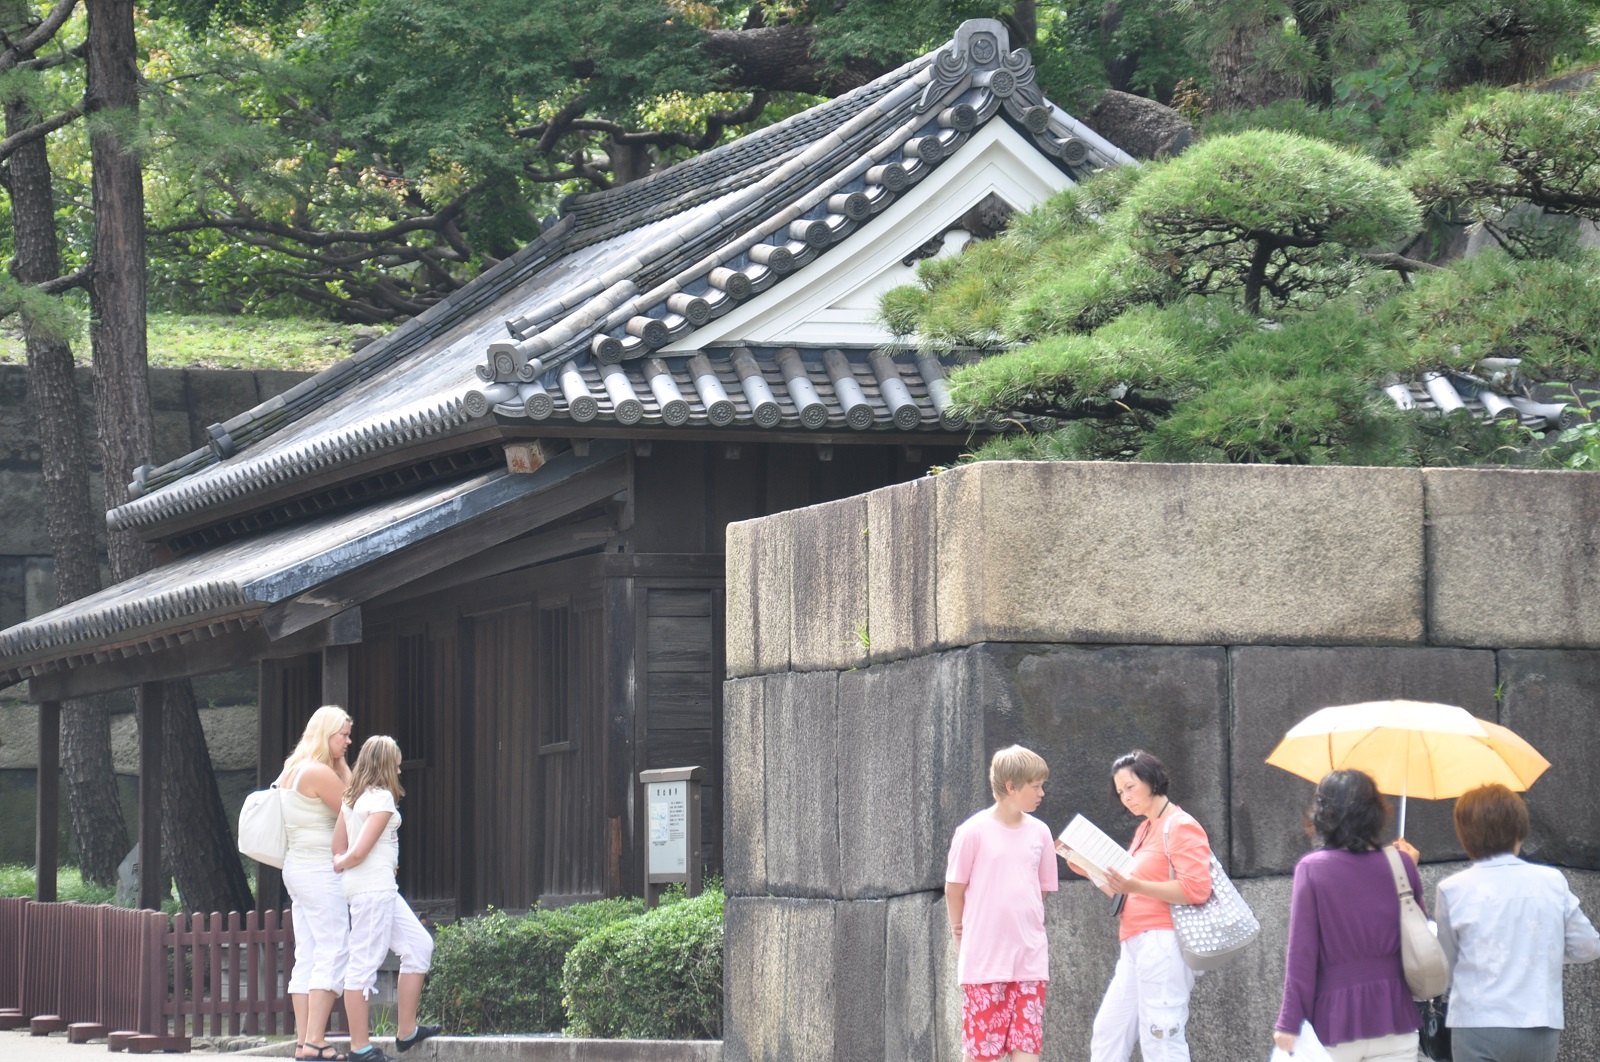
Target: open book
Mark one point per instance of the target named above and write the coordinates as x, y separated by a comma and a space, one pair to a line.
1094, 851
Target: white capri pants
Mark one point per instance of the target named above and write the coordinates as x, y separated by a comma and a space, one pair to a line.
381, 922
1146, 1003
321, 926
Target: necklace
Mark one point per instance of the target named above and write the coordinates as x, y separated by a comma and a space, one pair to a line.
1164, 807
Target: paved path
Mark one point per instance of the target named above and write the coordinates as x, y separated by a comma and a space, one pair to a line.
19, 1045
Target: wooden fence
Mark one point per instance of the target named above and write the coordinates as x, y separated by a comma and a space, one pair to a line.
141, 979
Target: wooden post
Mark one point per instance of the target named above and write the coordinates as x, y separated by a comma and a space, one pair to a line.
336, 676
151, 707
269, 758
47, 808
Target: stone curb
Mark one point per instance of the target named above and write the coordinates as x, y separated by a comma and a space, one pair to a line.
531, 1049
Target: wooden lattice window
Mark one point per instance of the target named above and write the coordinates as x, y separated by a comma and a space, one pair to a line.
555, 678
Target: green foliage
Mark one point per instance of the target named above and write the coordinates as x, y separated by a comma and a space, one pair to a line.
1513, 148
1543, 311
214, 341
657, 976
1265, 213
499, 973
18, 880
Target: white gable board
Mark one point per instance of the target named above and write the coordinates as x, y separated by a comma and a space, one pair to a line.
834, 301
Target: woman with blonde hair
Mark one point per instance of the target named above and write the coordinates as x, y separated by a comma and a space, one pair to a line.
380, 919
312, 783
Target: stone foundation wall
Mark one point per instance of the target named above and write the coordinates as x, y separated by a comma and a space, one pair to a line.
880, 648
183, 402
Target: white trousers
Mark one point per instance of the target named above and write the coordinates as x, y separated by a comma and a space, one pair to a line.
321, 926
1400, 1047
1146, 1003
381, 922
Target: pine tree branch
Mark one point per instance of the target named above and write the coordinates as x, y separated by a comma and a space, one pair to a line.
16, 51
39, 129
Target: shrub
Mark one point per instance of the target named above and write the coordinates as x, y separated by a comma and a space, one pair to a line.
500, 973
17, 880
657, 976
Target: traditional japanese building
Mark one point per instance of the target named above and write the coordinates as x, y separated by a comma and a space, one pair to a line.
497, 533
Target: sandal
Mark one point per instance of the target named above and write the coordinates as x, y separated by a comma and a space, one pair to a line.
324, 1053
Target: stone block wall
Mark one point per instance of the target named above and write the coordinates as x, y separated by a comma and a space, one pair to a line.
183, 402
879, 650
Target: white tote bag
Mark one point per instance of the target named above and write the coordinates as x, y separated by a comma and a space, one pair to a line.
1306, 1049
262, 835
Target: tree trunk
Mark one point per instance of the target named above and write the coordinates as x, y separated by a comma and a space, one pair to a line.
1238, 78
194, 830
97, 824
779, 59
208, 873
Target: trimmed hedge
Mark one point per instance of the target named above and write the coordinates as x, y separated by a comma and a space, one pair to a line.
654, 977
502, 974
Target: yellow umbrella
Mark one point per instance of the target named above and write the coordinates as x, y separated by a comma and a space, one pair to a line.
1434, 751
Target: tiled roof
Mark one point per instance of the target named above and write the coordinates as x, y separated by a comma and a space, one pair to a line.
627, 271
1496, 391
763, 388
226, 588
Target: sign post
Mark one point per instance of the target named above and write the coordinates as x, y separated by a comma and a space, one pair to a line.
672, 829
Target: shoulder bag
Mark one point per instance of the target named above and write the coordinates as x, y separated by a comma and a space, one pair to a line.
262, 834
1213, 933
1421, 954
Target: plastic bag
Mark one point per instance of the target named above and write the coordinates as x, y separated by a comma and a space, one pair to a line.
1306, 1049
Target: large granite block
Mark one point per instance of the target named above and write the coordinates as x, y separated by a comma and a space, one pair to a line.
759, 559
946, 987
744, 768
909, 1019
1080, 708
1580, 986
801, 733
171, 435
1533, 533
901, 546
1275, 688
778, 976
906, 728
1552, 698
859, 965
23, 532
829, 626
1197, 554
1083, 952
216, 395
877, 757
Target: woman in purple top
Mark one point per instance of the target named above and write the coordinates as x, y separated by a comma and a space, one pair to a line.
1343, 972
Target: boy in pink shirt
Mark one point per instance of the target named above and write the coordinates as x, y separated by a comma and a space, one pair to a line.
1002, 862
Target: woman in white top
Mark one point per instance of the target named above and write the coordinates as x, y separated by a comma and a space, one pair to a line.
312, 783
1508, 927
380, 918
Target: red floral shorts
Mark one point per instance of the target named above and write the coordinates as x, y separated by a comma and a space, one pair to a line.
1002, 1017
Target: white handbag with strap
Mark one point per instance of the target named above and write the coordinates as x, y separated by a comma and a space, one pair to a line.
262, 833
1213, 933
1421, 954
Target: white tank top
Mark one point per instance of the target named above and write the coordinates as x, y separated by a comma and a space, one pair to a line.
309, 825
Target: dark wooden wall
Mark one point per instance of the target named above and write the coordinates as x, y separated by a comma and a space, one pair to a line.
526, 704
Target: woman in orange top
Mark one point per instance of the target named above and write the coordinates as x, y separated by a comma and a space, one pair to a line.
1147, 1001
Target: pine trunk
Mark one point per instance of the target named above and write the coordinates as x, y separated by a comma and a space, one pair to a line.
97, 824
194, 828
208, 873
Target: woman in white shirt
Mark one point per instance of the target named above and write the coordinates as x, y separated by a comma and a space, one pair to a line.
311, 786
380, 918
1507, 928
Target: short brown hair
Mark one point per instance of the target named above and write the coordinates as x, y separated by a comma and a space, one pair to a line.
1491, 820
1017, 766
